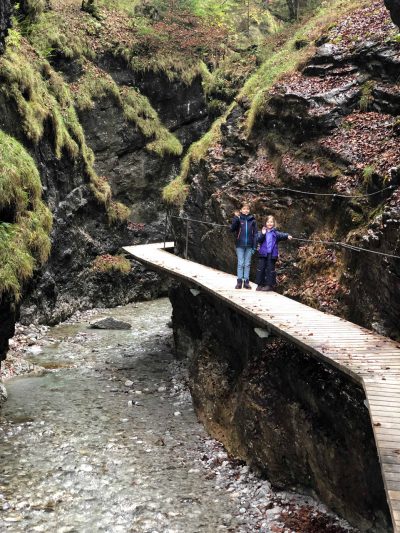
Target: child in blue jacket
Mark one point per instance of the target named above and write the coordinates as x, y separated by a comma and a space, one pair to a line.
245, 227
268, 238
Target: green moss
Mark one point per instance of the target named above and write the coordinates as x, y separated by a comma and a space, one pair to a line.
137, 109
48, 36
25, 241
111, 263
94, 85
41, 95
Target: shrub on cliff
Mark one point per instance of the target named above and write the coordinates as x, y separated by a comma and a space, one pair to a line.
111, 263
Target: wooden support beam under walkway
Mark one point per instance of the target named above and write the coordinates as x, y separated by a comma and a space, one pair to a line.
370, 359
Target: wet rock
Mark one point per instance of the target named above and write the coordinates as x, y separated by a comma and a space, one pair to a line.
394, 7
110, 323
3, 394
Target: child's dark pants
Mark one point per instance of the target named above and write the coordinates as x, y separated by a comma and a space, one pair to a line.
266, 274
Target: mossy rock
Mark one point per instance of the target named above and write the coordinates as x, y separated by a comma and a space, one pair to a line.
25, 241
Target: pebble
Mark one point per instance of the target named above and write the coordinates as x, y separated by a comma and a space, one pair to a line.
128, 383
177, 413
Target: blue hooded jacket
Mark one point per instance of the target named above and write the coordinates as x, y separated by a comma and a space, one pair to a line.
276, 236
245, 227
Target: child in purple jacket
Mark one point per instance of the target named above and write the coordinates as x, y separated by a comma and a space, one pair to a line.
268, 238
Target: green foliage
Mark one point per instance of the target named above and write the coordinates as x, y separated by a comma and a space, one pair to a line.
367, 98
13, 39
288, 57
111, 263
25, 241
368, 173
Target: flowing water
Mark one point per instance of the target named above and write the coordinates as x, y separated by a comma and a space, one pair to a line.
107, 441
85, 450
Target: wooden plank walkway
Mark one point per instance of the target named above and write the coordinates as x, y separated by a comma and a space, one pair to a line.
370, 359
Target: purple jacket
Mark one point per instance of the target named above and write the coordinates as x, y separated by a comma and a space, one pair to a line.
276, 237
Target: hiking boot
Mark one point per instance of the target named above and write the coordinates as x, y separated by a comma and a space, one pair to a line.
259, 288
266, 288
247, 284
238, 284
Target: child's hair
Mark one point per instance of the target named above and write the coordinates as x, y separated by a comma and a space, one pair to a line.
245, 204
271, 217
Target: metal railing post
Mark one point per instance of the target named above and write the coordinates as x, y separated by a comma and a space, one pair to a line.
166, 227
187, 239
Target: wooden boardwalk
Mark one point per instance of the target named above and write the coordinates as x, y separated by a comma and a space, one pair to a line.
370, 359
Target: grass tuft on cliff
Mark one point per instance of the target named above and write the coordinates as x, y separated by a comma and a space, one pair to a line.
44, 100
111, 263
24, 236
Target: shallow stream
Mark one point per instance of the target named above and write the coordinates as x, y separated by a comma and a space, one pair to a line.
107, 440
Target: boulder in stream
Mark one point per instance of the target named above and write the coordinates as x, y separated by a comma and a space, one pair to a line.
110, 323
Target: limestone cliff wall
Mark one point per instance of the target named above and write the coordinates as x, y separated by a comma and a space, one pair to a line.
329, 128
5, 20
299, 422
136, 177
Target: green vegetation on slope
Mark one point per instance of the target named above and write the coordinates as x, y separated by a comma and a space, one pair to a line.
42, 97
290, 57
280, 58
25, 241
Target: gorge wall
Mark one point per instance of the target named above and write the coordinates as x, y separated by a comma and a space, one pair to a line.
104, 139
329, 127
302, 424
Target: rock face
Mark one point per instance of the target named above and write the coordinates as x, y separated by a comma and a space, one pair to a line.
136, 176
329, 129
394, 8
7, 321
5, 20
300, 423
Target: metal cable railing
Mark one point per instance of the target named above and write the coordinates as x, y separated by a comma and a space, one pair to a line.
339, 244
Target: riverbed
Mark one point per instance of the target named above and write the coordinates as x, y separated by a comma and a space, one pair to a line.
106, 440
